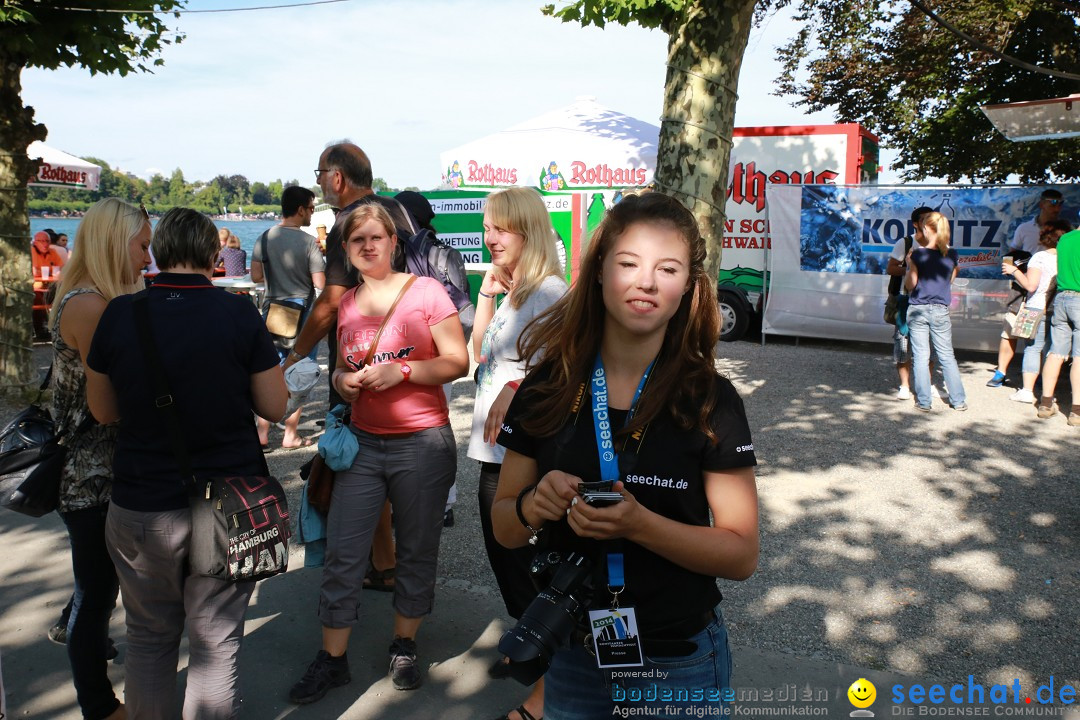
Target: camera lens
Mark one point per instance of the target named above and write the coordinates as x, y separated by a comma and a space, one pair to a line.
546, 625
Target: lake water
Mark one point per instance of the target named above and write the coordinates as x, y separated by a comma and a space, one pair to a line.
247, 230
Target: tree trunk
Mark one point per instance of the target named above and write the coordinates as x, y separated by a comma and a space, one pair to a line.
704, 58
17, 131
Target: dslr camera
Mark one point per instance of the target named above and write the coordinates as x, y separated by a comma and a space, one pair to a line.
546, 625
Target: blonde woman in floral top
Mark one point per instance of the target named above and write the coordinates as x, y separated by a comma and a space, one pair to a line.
110, 251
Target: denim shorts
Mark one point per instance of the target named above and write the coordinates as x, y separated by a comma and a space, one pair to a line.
1065, 326
1008, 325
668, 687
901, 353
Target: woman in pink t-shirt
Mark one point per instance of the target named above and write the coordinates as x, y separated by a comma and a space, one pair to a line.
407, 449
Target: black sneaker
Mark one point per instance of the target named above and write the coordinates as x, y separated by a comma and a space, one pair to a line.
58, 633
403, 669
448, 518
323, 673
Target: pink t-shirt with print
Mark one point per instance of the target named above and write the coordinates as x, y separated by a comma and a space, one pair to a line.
406, 407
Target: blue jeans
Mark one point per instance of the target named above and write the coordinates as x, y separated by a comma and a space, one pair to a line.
92, 604
1035, 348
575, 689
1065, 327
931, 324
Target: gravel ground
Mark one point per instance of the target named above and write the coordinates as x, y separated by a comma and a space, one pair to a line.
941, 544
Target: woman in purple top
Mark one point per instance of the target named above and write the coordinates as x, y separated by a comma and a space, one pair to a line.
233, 258
931, 270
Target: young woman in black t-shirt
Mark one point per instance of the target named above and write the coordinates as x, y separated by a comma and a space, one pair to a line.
637, 332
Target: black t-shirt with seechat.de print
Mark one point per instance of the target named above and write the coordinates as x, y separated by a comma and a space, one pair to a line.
666, 477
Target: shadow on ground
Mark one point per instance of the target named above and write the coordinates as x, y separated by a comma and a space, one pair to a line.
941, 544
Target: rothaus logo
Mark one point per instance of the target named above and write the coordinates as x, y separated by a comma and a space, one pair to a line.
748, 183
488, 174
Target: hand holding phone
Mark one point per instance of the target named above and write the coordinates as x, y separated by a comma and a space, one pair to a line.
602, 499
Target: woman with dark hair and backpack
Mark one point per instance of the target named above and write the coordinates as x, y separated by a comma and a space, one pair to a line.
623, 392
221, 368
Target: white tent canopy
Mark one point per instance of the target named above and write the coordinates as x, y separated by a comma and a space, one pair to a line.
1052, 119
59, 169
583, 145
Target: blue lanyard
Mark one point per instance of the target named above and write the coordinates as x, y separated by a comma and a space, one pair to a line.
609, 462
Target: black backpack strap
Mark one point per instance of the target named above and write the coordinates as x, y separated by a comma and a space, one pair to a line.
265, 237
163, 399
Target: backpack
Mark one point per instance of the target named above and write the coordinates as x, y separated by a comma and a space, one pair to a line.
896, 280
1020, 260
428, 256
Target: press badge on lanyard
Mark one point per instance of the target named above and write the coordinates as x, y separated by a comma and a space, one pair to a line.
614, 631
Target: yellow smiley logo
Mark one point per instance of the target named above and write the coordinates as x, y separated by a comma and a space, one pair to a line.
862, 693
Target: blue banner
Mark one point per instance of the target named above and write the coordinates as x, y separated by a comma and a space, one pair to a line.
853, 230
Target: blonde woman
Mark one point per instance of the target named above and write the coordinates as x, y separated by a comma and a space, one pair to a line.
931, 270
112, 238
526, 272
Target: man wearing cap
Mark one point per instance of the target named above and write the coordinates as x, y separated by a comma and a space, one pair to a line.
1026, 237
46, 263
1064, 329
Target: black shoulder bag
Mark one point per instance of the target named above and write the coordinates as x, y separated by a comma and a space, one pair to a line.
32, 459
239, 525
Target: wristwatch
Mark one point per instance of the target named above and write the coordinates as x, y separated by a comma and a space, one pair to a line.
405, 370
295, 356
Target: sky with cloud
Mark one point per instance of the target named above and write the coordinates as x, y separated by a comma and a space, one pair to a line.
260, 93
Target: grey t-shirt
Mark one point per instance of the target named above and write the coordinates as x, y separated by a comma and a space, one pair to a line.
289, 256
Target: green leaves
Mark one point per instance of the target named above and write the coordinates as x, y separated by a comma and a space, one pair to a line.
38, 35
919, 86
647, 13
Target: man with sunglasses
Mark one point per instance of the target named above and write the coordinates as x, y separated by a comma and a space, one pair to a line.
1026, 237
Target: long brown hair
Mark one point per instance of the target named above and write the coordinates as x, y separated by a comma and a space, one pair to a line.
564, 339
